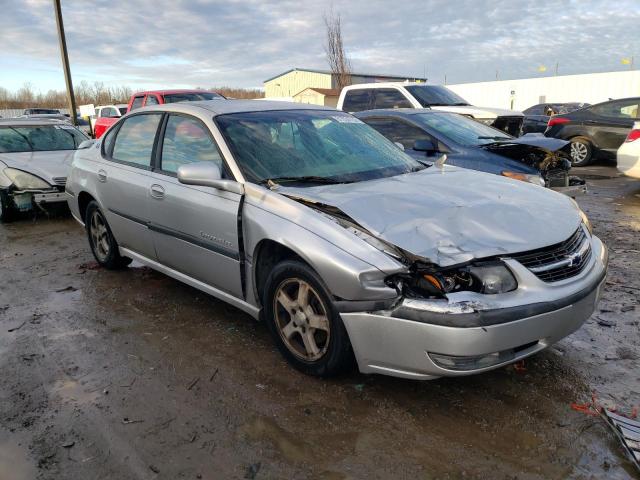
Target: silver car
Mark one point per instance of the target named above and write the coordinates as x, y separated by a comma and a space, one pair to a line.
35, 156
347, 248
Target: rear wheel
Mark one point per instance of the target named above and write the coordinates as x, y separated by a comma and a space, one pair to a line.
103, 244
581, 151
303, 321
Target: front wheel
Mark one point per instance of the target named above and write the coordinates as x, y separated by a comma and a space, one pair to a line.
303, 322
6, 213
581, 151
102, 242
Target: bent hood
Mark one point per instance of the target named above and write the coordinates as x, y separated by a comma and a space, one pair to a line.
451, 215
479, 112
46, 165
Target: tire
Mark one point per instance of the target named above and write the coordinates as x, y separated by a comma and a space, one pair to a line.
6, 212
581, 151
322, 350
101, 240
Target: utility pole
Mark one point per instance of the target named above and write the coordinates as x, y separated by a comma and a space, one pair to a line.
65, 62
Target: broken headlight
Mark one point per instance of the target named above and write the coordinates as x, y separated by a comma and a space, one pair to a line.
525, 177
25, 181
487, 278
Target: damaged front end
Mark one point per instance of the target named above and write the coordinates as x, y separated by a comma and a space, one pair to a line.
549, 156
23, 193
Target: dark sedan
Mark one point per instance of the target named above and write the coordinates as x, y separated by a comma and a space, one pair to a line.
426, 134
537, 117
595, 131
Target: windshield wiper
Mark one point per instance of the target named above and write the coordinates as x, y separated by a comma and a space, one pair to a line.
271, 182
461, 104
25, 138
493, 138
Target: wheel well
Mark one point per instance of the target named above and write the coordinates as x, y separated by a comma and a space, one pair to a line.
267, 255
83, 202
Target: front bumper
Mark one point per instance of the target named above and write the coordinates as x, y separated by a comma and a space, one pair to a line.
509, 328
22, 201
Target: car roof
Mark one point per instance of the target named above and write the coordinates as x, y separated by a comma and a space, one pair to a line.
26, 121
221, 107
403, 112
390, 84
172, 91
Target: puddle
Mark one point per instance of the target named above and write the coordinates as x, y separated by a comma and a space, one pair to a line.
15, 463
292, 447
70, 390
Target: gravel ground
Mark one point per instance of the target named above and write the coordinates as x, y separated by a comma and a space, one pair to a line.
132, 375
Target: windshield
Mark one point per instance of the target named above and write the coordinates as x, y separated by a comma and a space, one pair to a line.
40, 138
435, 95
190, 97
310, 143
462, 130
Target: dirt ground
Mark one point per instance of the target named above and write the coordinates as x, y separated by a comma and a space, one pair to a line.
132, 375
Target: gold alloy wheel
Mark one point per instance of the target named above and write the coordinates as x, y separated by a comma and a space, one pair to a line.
99, 236
301, 319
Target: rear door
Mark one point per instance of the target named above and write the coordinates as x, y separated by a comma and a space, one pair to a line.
125, 179
610, 122
195, 229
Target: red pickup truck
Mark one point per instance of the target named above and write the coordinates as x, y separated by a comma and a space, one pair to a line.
155, 97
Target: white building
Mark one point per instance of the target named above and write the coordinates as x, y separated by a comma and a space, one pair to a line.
523, 93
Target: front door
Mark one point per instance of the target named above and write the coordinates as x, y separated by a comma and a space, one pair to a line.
195, 229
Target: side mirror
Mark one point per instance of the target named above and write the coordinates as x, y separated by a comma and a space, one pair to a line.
86, 144
207, 174
425, 146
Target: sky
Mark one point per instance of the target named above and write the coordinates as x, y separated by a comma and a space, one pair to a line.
198, 43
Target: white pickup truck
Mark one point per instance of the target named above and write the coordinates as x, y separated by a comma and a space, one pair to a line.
371, 96
109, 111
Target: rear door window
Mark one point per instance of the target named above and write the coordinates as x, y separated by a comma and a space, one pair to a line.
135, 138
151, 100
622, 109
137, 102
357, 100
187, 140
390, 98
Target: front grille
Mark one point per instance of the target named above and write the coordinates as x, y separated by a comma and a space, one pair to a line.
560, 261
60, 181
511, 125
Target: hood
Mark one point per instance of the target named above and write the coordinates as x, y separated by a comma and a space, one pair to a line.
479, 112
46, 165
450, 215
536, 151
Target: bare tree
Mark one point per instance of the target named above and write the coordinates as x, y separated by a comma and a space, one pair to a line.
334, 48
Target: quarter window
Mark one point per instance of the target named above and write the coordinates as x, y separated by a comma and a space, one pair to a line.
135, 138
187, 140
390, 98
357, 100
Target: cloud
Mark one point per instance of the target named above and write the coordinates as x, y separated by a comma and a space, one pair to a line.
180, 43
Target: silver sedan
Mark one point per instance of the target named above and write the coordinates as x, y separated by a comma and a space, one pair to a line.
35, 155
347, 248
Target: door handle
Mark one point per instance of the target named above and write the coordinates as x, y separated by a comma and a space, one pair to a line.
157, 192
102, 176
